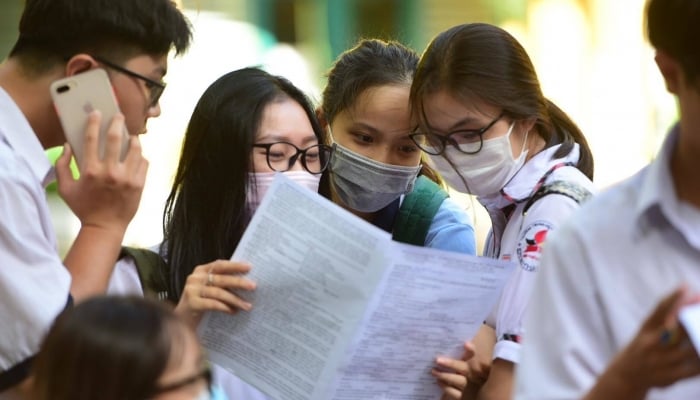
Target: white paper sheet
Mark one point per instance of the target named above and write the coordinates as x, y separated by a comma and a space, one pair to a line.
690, 318
340, 310
429, 303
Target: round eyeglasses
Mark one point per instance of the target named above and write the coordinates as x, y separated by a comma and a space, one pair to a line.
467, 141
281, 156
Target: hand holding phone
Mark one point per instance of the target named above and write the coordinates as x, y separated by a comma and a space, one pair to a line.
75, 97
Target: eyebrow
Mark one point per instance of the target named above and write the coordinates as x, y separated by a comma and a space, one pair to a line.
462, 122
281, 138
366, 126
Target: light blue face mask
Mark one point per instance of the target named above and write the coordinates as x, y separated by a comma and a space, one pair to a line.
367, 185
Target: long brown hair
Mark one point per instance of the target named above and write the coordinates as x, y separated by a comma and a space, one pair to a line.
484, 62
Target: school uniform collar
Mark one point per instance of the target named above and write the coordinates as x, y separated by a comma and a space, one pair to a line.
657, 201
520, 186
16, 130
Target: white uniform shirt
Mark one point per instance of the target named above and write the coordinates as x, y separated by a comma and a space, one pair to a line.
34, 284
520, 238
125, 280
602, 275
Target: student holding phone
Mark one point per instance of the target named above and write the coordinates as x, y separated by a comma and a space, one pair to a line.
130, 40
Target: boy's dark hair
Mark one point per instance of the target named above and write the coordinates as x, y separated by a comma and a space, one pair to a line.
52, 30
673, 26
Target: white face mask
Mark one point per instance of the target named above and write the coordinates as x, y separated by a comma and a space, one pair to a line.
366, 185
486, 172
259, 182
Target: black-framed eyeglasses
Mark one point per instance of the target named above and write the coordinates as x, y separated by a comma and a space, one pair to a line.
468, 141
155, 88
281, 156
205, 374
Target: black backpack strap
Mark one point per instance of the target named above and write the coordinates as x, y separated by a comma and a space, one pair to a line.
572, 190
417, 211
152, 270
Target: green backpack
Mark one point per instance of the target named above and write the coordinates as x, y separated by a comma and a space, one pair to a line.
417, 212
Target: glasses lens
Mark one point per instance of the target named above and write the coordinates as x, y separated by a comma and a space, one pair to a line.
429, 142
316, 158
278, 155
156, 92
467, 142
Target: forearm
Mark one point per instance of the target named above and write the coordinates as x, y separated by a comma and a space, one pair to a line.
499, 385
91, 260
613, 384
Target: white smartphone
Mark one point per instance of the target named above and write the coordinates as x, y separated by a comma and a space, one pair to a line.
74, 97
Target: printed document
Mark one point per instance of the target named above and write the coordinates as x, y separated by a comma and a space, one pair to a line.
343, 312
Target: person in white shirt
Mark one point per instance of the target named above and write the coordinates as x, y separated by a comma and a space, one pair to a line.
604, 317
490, 132
130, 39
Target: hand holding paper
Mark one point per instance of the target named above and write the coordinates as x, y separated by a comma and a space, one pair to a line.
341, 311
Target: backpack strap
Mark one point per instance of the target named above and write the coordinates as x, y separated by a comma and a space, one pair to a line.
417, 211
151, 269
572, 190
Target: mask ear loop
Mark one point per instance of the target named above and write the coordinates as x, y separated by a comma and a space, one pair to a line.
461, 177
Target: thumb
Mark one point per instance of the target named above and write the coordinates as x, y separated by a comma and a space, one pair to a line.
469, 351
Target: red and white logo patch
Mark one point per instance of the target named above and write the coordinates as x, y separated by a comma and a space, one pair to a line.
531, 243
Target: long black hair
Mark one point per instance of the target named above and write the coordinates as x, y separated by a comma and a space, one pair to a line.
205, 214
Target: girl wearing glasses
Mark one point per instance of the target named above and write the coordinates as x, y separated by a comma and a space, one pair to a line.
247, 126
376, 171
115, 348
491, 133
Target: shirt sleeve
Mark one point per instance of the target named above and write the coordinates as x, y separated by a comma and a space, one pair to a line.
564, 346
532, 233
34, 284
125, 278
451, 229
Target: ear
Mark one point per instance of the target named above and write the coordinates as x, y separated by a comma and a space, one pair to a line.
80, 63
670, 69
321, 118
